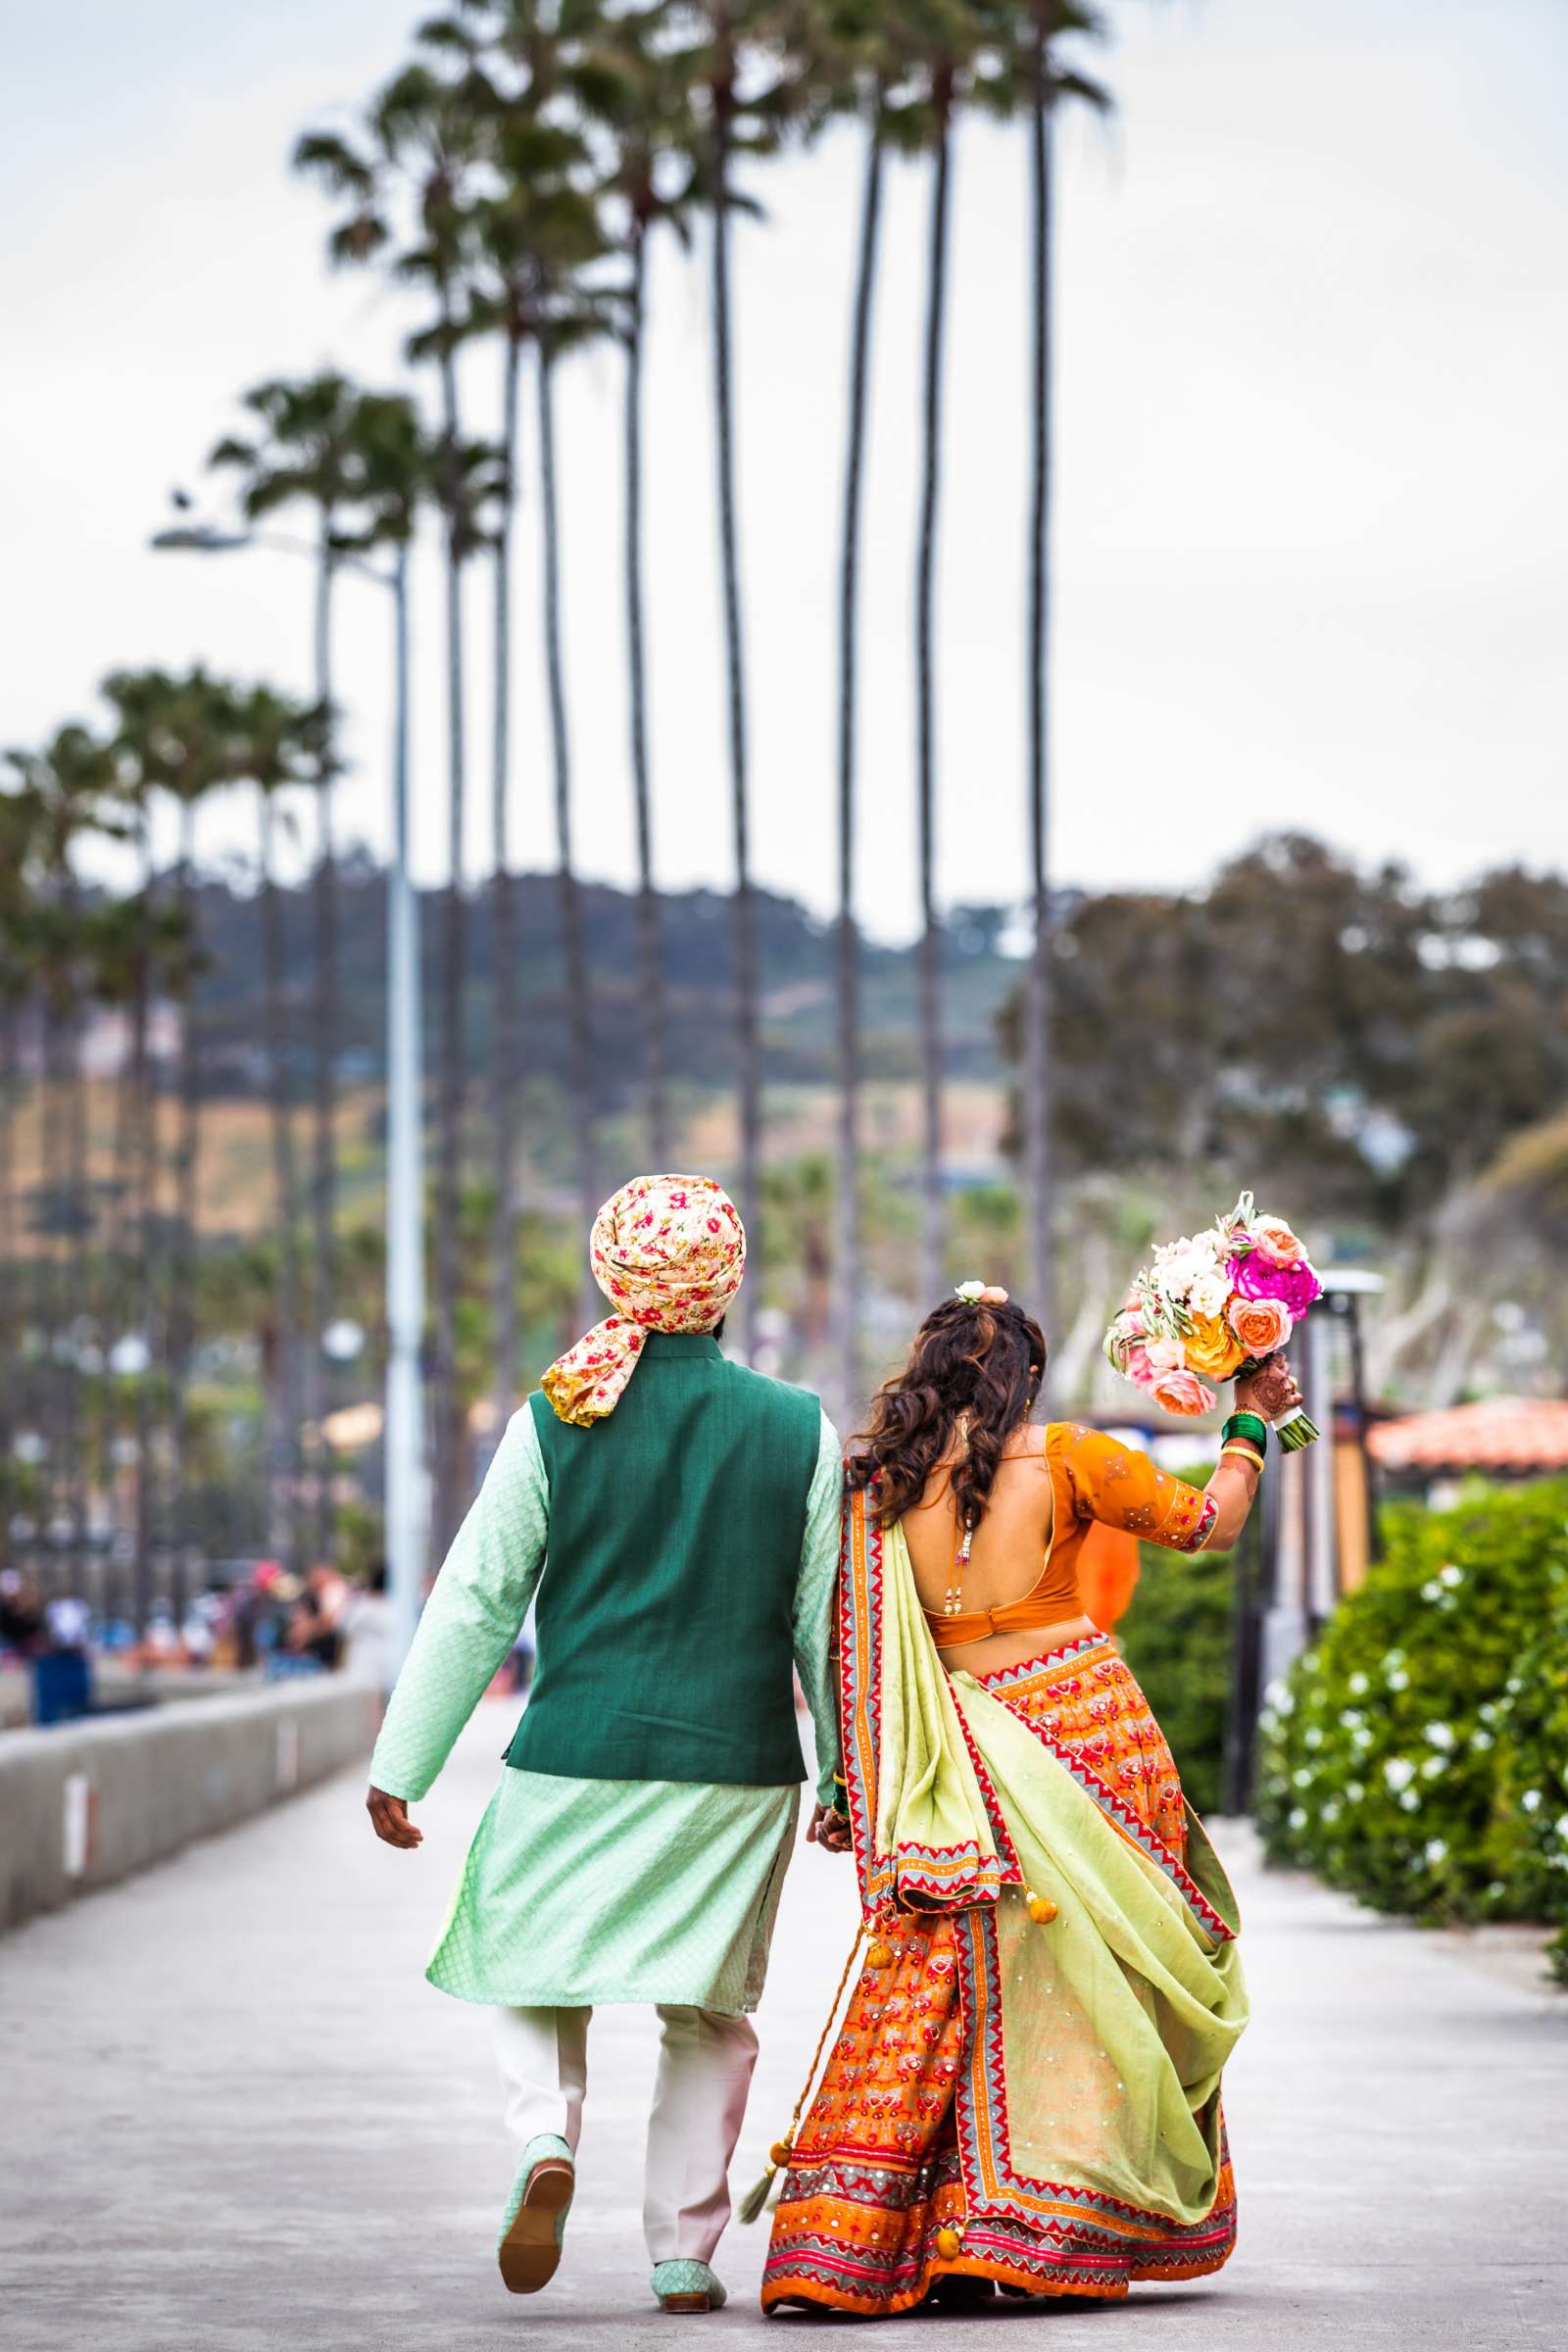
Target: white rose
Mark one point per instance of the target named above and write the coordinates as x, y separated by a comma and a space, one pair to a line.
1209, 1293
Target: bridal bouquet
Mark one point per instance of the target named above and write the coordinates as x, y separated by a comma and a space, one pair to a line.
1208, 1307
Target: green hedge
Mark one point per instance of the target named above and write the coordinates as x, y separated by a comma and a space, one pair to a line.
1176, 1638
1418, 1756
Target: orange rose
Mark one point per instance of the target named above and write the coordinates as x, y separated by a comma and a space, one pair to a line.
1261, 1324
1212, 1348
1182, 1393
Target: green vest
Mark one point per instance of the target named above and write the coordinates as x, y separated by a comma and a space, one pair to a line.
665, 1610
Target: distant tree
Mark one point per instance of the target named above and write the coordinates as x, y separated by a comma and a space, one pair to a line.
410, 175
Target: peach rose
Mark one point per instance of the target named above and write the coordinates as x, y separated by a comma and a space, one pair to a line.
1213, 1348
1261, 1324
1166, 1355
1273, 1239
1182, 1393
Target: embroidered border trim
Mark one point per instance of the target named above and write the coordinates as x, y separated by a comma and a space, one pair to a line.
991, 2184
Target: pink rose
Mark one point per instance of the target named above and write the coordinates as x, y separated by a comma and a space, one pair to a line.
1182, 1392
1167, 1355
1295, 1287
1275, 1241
1261, 1324
1132, 1322
1136, 1365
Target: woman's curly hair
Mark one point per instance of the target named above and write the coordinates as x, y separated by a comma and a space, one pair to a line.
984, 1360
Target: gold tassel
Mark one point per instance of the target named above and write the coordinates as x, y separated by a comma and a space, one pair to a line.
781, 2155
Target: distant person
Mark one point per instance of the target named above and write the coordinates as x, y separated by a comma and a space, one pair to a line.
366, 1627
22, 1627
315, 1630
636, 1845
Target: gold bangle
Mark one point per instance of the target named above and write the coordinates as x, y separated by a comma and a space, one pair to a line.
1247, 1454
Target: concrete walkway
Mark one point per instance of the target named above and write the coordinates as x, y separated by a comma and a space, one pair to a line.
232, 2118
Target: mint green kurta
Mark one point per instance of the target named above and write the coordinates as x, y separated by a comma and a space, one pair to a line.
578, 1891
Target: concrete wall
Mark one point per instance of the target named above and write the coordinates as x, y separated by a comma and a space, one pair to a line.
116, 1686
84, 1805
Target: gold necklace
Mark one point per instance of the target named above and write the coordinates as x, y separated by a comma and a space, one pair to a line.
952, 1597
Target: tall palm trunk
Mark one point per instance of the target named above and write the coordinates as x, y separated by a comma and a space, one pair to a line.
144, 1224
323, 1167
450, 1447
10, 1269
289, 1409
650, 962
503, 1242
182, 1266
579, 1019
847, 1282
746, 956
79, 1218
1037, 1041
930, 955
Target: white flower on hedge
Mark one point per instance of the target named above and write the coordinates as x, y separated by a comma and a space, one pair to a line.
1330, 1812
1530, 1800
1450, 1576
1436, 1849
1394, 1658
1431, 1589
1410, 1802
1354, 1792
1360, 1740
1277, 1699
1439, 1735
1311, 1737
1358, 1686
1481, 1739
1302, 1779
1298, 1817
1351, 1719
1561, 1827
1398, 1772
1433, 1766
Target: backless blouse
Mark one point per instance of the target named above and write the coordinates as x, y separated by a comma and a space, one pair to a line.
1093, 1479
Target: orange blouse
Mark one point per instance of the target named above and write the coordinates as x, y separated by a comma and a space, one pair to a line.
1093, 1479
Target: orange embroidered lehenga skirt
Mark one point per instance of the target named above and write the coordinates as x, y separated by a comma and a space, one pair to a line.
903, 2170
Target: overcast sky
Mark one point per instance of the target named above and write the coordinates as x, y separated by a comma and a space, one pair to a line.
1313, 514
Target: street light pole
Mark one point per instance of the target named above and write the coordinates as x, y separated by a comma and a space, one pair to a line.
402, 1432
403, 1422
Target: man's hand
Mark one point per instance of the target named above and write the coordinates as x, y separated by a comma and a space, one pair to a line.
389, 1818
830, 1829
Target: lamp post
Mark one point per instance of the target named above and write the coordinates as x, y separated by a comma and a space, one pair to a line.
402, 1428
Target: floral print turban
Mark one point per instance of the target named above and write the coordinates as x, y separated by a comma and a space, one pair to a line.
669, 1252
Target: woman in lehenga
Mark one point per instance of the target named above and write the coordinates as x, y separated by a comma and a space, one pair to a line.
1024, 2092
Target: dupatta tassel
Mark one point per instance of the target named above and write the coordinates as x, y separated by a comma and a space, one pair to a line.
781, 2155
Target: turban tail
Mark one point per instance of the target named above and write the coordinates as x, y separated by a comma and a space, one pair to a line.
669, 1252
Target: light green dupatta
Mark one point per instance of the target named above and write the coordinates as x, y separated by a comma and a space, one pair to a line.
1098, 2037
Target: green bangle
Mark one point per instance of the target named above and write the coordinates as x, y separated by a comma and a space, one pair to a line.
1247, 1425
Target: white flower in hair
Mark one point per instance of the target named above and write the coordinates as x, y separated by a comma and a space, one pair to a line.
971, 1293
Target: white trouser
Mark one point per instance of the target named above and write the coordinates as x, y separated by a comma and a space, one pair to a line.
704, 2071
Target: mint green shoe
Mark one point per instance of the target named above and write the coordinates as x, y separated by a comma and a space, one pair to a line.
528, 2248
687, 2287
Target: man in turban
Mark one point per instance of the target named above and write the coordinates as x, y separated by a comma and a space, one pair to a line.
679, 1518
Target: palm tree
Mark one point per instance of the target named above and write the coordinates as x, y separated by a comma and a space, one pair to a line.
846, 58
637, 93
948, 40
733, 126
181, 737
1047, 84
411, 174
69, 784
300, 457
276, 748
535, 234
